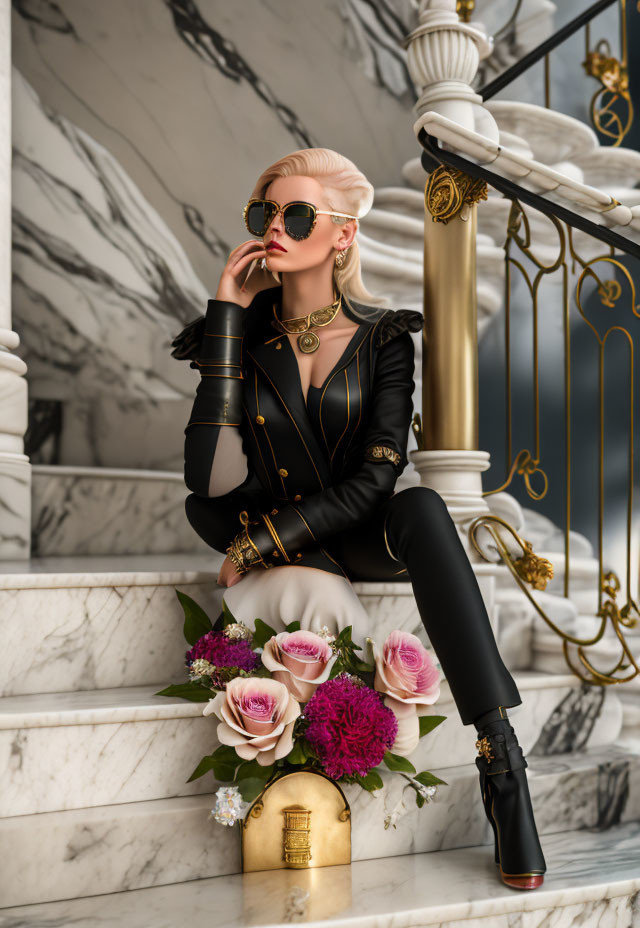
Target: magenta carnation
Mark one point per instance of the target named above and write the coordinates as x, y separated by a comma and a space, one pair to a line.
349, 726
221, 651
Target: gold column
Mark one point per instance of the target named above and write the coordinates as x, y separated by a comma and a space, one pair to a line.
450, 357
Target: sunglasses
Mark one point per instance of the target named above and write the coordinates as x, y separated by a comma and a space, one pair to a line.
299, 217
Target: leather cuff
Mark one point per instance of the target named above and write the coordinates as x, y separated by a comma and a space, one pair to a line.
223, 334
218, 402
280, 535
218, 398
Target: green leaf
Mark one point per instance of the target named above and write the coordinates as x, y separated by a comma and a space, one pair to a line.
343, 637
371, 781
420, 799
206, 764
226, 754
429, 779
224, 773
224, 762
193, 690
252, 769
362, 667
293, 626
429, 722
250, 788
196, 621
220, 771
228, 617
397, 762
297, 755
262, 634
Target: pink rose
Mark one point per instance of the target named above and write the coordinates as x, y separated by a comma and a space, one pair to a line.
257, 718
301, 660
407, 674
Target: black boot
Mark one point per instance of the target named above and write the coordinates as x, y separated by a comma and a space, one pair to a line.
507, 803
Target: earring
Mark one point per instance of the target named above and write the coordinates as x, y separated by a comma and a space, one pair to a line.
340, 258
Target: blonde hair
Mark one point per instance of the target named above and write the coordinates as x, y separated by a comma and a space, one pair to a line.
347, 190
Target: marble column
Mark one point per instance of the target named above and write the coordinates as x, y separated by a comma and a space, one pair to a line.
15, 470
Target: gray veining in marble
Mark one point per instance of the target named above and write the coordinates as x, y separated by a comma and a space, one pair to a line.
111, 848
129, 183
78, 510
593, 879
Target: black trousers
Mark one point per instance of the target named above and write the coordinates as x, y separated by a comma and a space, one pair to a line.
421, 534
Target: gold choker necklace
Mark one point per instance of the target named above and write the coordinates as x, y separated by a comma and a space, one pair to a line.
308, 342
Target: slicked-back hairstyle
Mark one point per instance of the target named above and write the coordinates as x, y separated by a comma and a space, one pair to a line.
347, 190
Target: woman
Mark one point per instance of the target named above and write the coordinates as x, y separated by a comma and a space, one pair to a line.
299, 433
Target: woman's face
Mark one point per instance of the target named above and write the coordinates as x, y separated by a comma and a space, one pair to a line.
326, 239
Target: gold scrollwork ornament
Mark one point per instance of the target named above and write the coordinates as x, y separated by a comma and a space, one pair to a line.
536, 570
449, 191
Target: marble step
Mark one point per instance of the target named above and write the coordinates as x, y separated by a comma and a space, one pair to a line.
109, 511
547, 658
84, 623
127, 745
72, 617
67, 621
105, 849
140, 432
592, 879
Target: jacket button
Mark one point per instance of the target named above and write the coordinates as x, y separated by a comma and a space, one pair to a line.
275, 553
278, 344
260, 420
297, 496
283, 472
274, 512
298, 554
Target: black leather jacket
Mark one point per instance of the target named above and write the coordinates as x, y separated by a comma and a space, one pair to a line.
310, 486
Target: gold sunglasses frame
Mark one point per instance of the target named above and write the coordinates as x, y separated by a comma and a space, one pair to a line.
281, 209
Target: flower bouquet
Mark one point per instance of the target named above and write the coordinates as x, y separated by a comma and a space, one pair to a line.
305, 701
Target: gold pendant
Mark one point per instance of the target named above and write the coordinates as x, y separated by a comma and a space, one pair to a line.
308, 342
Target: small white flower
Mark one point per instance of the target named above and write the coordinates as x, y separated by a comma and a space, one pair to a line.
238, 630
326, 634
229, 805
199, 668
429, 792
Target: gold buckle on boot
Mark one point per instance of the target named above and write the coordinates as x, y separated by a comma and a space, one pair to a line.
484, 747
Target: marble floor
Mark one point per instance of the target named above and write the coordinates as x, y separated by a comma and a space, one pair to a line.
593, 880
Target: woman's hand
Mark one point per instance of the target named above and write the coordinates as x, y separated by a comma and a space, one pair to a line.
234, 285
228, 574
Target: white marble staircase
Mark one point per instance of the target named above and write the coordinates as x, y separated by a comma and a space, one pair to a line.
95, 765
592, 881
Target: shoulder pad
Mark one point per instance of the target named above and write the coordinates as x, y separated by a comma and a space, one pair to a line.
186, 345
396, 322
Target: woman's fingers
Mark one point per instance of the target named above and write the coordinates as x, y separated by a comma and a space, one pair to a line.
250, 256
228, 574
243, 248
241, 263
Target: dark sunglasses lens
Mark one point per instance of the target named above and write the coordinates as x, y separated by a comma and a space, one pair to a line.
298, 219
259, 215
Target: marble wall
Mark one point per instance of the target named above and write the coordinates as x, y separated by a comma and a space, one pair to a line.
139, 130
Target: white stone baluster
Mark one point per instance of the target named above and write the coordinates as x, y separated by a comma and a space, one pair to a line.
15, 470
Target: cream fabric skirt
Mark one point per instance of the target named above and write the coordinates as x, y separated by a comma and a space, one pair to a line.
283, 594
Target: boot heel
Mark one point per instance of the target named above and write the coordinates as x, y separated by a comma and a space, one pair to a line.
485, 802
